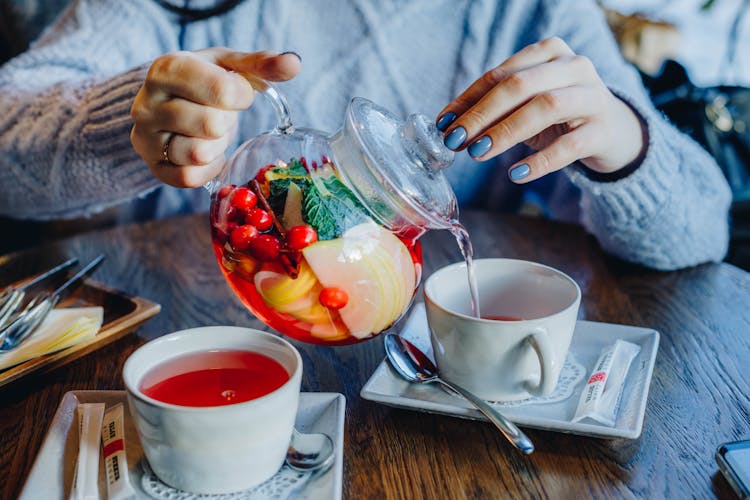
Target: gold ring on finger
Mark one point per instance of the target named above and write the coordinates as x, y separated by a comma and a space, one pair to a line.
165, 149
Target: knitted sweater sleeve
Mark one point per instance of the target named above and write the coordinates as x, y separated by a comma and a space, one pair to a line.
64, 128
671, 212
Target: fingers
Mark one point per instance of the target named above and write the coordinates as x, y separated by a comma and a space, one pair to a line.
186, 151
195, 78
195, 120
515, 90
554, 101
180, 118
191, 99
191, 162
217, 77
544, 110
187, 177
531, 55
265, 65
563, 151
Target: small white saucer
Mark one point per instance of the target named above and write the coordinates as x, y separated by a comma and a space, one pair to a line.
52, 473
387, 387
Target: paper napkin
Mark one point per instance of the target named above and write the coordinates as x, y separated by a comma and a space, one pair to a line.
62, 328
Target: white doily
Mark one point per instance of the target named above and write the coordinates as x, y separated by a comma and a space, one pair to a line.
571, 374
284, 484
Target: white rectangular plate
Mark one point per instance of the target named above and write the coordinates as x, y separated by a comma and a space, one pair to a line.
387, 387
51, 475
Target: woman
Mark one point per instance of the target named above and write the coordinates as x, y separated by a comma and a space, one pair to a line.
540, 86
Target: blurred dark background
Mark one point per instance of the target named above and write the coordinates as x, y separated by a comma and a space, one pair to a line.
701, 87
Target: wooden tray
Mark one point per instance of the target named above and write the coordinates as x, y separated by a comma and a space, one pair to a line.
123, 313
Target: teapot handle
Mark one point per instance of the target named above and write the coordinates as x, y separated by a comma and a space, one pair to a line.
278, 102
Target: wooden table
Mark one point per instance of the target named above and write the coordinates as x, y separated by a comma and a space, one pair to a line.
699, 396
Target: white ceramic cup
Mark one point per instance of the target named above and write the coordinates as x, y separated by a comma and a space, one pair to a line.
502, 360
220, 449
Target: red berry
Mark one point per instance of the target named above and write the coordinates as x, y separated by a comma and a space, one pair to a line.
298, 237
243, 199
242, 236
261, 175
333, 298
235, 215
265, 247
223, 231
259, 218
218, 235
225, 190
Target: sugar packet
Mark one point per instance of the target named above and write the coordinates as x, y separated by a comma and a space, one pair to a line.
601, 396
115, 461
86, 480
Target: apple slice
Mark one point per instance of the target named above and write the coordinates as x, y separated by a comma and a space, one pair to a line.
296, 297
330, 331
373, 267
307, 308
279, 290
293, 207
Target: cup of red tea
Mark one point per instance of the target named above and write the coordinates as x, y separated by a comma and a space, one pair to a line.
518, 345
215, 406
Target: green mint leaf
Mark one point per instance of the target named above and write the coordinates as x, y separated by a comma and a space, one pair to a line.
296, 169
277, 194
330, 207
278, 189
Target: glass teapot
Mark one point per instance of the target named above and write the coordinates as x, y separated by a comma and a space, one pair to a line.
317, 234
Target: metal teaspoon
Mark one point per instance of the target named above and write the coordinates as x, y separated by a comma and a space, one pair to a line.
309, 452
414, 365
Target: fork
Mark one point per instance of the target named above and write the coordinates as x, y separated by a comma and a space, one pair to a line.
12, 296
24, 325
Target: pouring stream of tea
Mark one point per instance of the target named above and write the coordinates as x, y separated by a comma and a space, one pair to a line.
464, 244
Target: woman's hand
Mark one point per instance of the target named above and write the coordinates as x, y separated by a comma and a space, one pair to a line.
185, 115
553, 100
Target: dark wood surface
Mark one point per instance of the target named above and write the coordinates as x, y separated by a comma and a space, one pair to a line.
699, 396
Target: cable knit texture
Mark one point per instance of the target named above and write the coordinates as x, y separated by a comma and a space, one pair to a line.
65, 124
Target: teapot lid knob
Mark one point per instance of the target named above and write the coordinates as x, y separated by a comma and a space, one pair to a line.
423, 144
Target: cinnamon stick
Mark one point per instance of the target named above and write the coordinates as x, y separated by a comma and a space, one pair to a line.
289, 259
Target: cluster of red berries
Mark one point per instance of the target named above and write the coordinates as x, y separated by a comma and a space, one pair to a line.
249, 228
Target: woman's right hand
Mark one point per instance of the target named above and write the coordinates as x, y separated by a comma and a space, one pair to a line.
186, 113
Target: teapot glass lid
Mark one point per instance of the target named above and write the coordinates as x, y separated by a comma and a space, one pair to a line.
402, 163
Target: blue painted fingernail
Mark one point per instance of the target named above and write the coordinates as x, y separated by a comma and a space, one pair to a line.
519, 172
479, 147
445, 120
455, 138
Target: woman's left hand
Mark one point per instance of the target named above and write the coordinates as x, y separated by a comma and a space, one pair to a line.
553, 100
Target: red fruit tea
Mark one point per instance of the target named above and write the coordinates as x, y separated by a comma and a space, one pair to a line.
502, 318
214, 378
291, 258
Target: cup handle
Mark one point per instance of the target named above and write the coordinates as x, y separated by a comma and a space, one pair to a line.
539, 341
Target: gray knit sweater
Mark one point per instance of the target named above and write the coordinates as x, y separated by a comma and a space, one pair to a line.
64, 120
